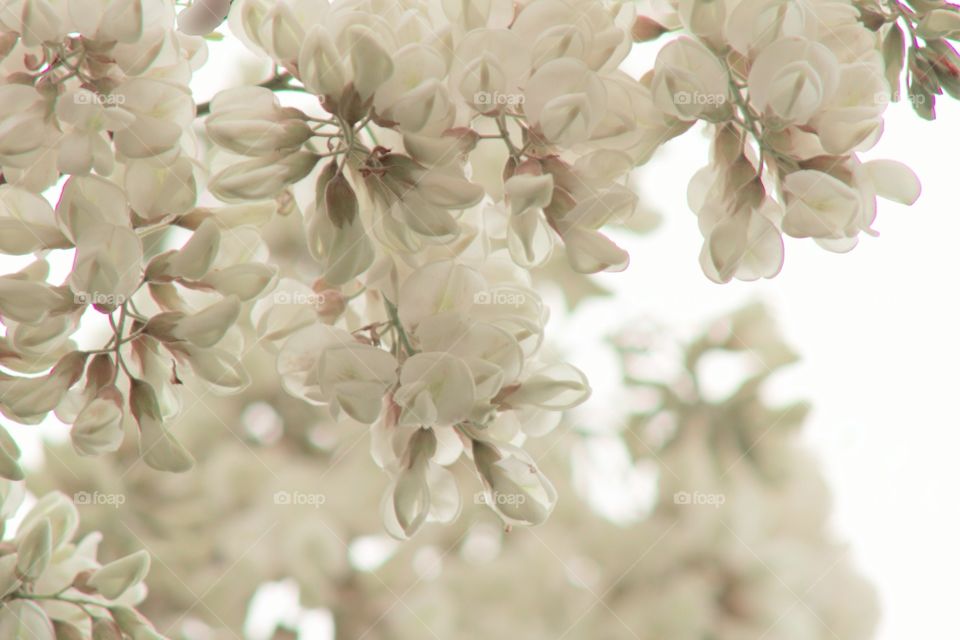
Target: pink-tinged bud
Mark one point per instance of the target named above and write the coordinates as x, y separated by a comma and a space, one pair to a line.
331, 303
645, 29
466, 138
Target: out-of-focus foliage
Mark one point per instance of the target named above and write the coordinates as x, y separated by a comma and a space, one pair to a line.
732, 544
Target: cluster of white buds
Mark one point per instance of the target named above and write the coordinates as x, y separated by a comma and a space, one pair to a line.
450, 369
917, 43
445, 150
89, 85
528, 102
54, 588
688, 576
171, 314
448, 144
795, 91
95, 98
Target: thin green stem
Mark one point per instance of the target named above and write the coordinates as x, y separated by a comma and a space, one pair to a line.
395, 321
81, 603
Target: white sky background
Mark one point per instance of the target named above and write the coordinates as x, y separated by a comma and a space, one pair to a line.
877, 329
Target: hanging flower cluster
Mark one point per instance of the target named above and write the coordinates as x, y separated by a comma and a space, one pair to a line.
917, 38
54, 588
795, 91
712, 549
99, 98
445, 150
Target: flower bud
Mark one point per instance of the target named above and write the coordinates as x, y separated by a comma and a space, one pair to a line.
251, 122
263, 177
345, 251
113, 579
466, 138
194, 258
202, 17
24, 620
27, 223
793, 78
818, 205
106, 629
66, 631
340, 201
411, 494
435, 389
158, 188
689, 82
9, 454
554, 388
514, 487
21, 118
371, 65
704, 19
30, 397
245, 281
158, 448
204, 328
34, 551
59, 511
645, 29
217, 367
9, 580
590, 251
130, 622
99, 426
529, 192
331, 304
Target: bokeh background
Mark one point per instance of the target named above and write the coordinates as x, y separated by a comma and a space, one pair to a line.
877, 330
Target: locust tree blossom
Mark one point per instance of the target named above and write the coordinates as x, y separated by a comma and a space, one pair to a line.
51, 584
442, 152
698, 577
794, 94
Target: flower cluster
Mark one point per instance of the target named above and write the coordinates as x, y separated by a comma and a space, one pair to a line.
88, 86
795, 91
440, 152
931, 68
54, 587
97, 101
448, 156
711, 550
